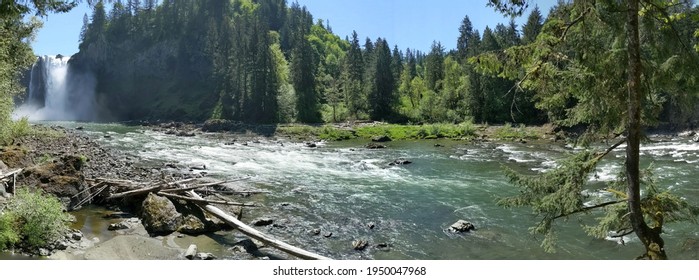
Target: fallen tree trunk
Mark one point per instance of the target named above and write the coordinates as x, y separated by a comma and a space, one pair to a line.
136, 192
205, 200
249, 231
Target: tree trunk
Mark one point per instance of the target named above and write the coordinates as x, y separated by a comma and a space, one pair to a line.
649, 237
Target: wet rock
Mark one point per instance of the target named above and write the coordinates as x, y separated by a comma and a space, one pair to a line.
44, 252
262, 222
522, 141
197, 167
79, 128
185, 134
375, 146
61, 245
371, 225
696, 139
328, 234
382, 246
118, 226
192, 225
107, 136
77, 236
359, 244
159, 215
438, 145
311, 145
400, 161
315, 231
245, 245
381, 138
688, 133
462, 226
204, 256
191, 252
171, 165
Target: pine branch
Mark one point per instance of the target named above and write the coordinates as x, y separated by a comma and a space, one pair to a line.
589, 208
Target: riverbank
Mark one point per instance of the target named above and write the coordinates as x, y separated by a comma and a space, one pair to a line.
376, 131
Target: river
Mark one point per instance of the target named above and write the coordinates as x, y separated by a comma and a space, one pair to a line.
341, 187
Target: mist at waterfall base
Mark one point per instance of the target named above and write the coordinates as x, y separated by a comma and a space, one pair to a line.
57, 92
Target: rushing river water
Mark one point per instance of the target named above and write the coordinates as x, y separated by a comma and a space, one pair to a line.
341, 187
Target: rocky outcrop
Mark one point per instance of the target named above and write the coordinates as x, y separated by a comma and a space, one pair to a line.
159, 215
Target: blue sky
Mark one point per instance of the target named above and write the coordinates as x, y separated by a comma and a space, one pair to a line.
411, 24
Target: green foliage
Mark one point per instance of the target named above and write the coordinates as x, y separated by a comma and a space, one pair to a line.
8, 230
39, 218
431, 131
508, 132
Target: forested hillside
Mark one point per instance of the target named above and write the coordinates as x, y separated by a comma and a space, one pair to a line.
268, 61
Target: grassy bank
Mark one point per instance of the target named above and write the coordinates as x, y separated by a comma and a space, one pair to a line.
465, 131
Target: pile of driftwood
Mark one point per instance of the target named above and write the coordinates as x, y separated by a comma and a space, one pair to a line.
188, 189
8, 181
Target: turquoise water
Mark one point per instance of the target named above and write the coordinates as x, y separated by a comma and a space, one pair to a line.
341, 187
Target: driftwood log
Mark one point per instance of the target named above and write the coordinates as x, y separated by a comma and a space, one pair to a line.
11, 179
171, 189
249, 231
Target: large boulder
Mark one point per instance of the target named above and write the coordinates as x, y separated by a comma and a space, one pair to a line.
159, 215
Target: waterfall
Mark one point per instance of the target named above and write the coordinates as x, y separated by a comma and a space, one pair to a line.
58, 93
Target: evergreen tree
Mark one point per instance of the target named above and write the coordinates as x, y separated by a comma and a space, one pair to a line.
434, 67
381, 97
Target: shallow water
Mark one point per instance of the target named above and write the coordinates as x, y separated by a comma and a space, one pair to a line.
340, 187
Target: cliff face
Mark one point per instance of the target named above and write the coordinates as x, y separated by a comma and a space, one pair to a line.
136, 82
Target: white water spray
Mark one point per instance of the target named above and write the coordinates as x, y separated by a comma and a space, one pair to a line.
57, 93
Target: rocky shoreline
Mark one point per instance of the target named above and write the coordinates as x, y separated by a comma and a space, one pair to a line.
66, 163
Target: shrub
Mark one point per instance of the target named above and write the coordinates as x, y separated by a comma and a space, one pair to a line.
39, 218
9, 234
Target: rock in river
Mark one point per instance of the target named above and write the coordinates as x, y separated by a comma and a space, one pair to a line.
462, 226
360, 244
375, 146
262, 222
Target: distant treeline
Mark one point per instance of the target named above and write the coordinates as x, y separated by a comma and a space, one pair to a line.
264, 61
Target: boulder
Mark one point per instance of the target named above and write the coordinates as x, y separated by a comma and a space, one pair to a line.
245, 245
462, 226
311, 145
191, 252
400, 161
381, 138
375, 146
192, 225
185, 134
204, 256
118, 226
262, 222
159, 215
696, 139
3, 166
315, 231
360, 244
371, 225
